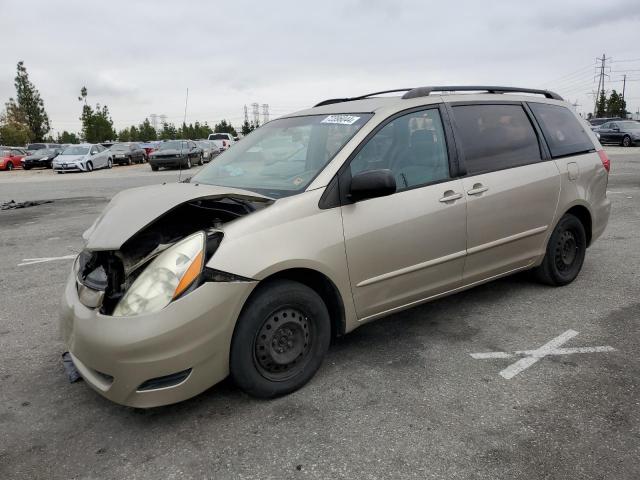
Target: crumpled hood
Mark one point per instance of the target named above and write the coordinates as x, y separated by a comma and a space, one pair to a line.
69, 158
131, 210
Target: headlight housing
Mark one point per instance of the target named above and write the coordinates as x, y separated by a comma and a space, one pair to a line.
167, 277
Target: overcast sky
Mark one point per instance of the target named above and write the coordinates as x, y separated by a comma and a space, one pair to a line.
139, 57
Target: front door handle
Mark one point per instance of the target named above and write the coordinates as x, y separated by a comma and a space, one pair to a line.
450, 196
477, 189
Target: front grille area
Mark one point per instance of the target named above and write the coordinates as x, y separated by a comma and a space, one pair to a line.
164, 382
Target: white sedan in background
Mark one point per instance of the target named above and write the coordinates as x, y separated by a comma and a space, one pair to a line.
83, 158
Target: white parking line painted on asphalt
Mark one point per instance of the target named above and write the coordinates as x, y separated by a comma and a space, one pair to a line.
533, 356
33, 261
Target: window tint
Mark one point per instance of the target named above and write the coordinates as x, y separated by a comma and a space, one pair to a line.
495, 137
413, 147
562, 130
606, 125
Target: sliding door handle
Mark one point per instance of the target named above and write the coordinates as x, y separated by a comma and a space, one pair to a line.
450, 196
477, 189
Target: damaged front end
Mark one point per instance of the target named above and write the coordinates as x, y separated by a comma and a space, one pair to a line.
164, 259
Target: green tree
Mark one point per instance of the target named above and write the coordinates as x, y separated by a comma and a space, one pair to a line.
146, 132
14, 134
28, 105
616, 106
225, 127
247, 128
134, 134
168, 132
97, 125
66, 137
123, 135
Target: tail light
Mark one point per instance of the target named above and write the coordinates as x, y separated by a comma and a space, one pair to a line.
606, 163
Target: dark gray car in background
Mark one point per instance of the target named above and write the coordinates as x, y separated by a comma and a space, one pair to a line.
621, 132
176, 153
128, 153
41, 158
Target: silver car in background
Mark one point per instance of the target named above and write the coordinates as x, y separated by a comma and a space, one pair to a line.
209, 149
83, 158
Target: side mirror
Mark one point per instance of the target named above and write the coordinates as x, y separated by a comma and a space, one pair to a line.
372, 184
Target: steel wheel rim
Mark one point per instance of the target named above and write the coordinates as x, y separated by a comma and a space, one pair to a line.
566, 251
283, 343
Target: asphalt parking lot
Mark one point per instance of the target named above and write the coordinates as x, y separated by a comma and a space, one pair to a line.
402, 397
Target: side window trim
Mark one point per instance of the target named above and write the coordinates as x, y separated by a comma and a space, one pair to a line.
545, 154
337, 190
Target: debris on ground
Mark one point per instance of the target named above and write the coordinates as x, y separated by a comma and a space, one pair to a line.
70, 368
11, 204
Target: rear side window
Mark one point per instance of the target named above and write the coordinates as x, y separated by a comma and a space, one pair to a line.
495, 137
561, 129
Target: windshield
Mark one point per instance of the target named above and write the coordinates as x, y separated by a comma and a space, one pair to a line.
173, 145
120, 147
630, 125
218, 136
282, 157
76, 150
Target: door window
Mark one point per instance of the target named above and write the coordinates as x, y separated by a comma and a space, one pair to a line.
495, 137
412, 146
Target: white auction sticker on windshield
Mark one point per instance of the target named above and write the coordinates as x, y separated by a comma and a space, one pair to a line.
341, 119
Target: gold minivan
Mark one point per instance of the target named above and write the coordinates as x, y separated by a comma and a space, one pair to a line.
321, 221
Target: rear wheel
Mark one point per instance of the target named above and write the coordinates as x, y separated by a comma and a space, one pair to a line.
187, 165
26, 167
201, 160
280, 339
565, 253
626, 141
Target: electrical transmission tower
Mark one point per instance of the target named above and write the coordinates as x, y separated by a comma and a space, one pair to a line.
256, 113
154, 121
163, 119
601, 75
265, 113
246, 115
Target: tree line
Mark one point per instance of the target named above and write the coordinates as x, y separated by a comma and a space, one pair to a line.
613, 105
25, 120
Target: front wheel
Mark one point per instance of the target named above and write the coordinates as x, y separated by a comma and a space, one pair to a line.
626, 141
280, 339
565, 253
154, 168
89, 167
109, 163
9, 166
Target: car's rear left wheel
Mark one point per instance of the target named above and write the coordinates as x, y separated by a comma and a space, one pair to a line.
565, 253
280, 339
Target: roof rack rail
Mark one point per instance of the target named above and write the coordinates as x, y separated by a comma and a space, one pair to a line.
361, 97
426, 91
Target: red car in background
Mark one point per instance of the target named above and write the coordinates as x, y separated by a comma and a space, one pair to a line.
11, 157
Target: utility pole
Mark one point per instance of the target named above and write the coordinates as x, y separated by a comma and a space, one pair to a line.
624, 84
601, 75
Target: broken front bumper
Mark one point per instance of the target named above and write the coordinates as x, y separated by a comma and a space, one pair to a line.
159, 358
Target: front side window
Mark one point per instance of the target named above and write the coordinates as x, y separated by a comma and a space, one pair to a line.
282, 157
495, 137
412, 146
561, 129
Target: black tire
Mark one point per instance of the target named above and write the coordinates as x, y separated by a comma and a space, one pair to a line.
25, 167
109, 163
9, 166
155, 168
626, 141
187, 164
201, 160
129, 161
89, 167
280, 339
565, 253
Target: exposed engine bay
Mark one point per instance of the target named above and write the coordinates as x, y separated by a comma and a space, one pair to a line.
113, 271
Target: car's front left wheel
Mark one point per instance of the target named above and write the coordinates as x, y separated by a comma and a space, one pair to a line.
280, 339
626, 141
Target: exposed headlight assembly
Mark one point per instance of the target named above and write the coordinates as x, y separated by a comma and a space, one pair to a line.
168, 276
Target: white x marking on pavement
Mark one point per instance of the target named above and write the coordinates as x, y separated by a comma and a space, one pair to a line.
533, 356
33, 261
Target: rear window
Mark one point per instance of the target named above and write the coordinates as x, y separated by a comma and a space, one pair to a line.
218, 136
495, 137
561, 129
